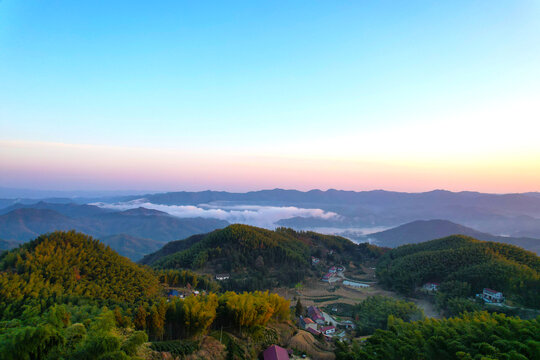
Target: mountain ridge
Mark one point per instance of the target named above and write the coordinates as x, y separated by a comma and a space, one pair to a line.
143, 229
426, 230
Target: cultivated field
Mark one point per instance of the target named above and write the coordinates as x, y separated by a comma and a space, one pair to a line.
320, 294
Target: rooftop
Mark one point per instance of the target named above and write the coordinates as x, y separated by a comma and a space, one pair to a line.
275, 352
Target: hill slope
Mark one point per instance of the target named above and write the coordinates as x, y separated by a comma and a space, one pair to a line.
424, 230
27, 222
479, 264
131, 246
71, 210
70, 263
263, 258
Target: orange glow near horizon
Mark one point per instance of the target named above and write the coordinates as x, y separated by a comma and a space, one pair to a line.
67, 166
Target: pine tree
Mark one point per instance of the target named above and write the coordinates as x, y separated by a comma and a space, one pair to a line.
299, 309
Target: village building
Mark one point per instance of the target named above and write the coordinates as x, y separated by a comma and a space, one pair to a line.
332, 270
307, 323
275, 352
327, 277
316, 315
221, 277
431, 286
313, 332
328, 330
492, 296
314, 260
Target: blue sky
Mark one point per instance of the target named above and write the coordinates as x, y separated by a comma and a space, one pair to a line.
267, 78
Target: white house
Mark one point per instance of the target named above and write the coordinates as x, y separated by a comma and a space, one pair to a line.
328, 330
492, 296
222, 277
431, 286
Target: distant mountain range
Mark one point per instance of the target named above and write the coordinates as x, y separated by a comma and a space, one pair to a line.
132, 232
425, 230
515, 215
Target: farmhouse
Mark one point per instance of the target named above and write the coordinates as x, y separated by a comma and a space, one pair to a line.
316, 315
222, 277
275, 352
327, 330
313, 331
307, 323
431, 286
492, 296
327, 277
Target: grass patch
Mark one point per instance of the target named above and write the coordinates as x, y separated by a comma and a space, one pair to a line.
342, 309
175, 347
327, 298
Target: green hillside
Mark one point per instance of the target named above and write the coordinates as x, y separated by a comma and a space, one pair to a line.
66, 295
257, 257
475, 264
70, 263
470, 336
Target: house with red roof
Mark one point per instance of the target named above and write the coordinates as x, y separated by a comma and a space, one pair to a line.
306, 323
275, 352
328, 330
315, 314
492, 296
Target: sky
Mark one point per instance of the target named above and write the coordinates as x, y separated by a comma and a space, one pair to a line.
247, 95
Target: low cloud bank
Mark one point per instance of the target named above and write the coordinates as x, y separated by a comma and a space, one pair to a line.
263, 216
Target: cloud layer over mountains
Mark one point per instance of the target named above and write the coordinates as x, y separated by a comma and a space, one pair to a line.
257, 215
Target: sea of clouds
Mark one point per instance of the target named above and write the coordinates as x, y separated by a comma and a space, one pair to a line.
256, 215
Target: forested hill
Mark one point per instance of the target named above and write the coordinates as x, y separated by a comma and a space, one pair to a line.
283, 254
425, 230
473, 263
71, 264
65, 295
171, 248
